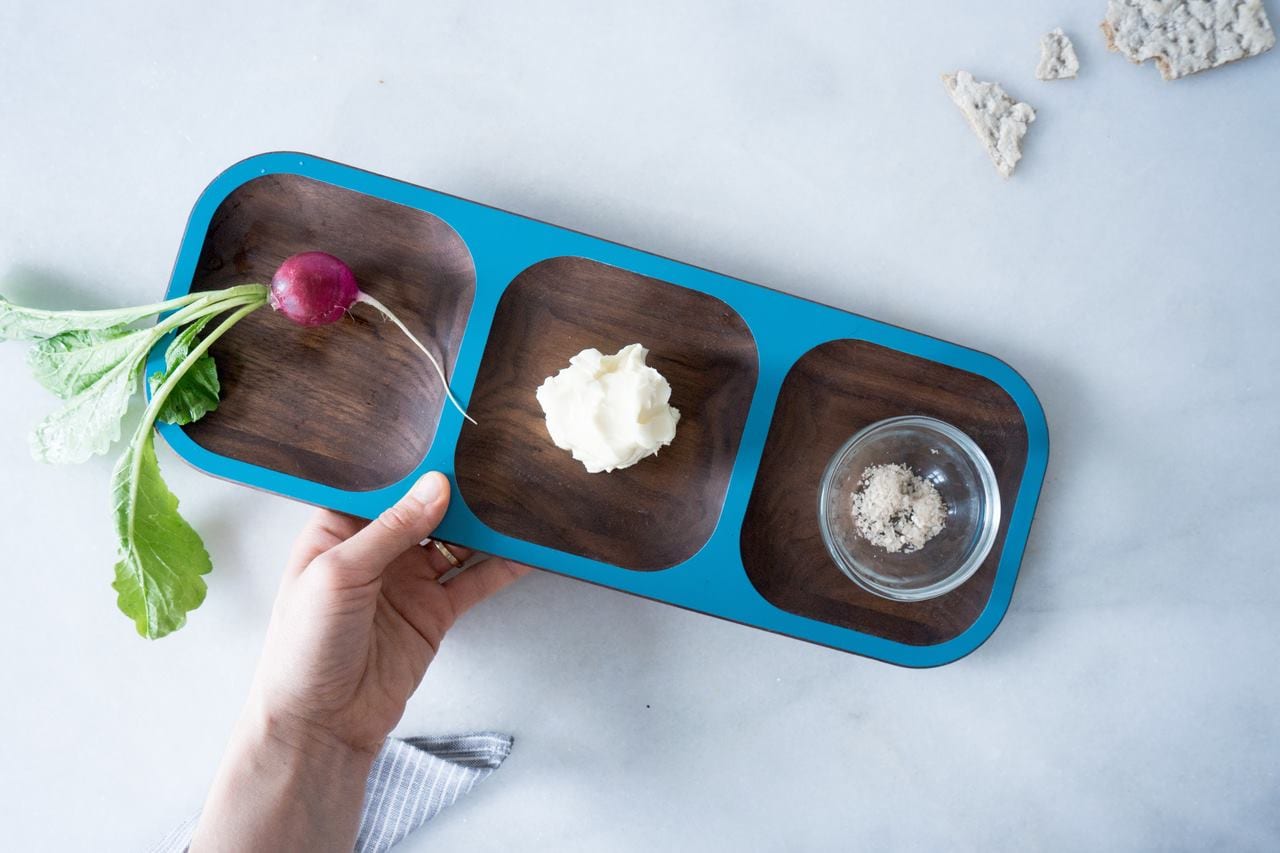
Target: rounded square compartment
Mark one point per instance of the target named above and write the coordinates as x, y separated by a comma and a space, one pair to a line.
655, 514
832, 392
354, 405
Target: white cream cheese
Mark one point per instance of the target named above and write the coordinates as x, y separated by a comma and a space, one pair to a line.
609, 411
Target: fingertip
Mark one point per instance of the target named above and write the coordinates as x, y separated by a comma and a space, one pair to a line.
400, 526
430, 488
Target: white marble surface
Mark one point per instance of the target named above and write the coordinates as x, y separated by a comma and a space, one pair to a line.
1129, 270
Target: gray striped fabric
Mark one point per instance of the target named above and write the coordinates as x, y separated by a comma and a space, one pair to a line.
410, 783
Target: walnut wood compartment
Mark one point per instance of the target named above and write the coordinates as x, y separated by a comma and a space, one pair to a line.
655, 514
832, 392
353, 405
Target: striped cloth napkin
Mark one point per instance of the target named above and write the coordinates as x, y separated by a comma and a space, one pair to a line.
411, 782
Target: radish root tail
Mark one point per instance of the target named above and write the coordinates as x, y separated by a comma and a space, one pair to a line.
386, 313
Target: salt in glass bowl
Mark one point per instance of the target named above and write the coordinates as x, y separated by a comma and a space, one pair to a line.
957, 467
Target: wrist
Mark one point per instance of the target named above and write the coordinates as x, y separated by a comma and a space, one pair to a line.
284, 786
297, 741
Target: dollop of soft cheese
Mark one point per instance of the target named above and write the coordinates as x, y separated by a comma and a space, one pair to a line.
609, 411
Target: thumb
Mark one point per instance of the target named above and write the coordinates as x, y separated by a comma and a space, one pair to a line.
399, 528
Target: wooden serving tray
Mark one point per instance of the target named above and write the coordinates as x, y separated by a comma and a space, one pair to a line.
724, 521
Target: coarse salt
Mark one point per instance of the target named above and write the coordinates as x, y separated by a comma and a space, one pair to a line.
896, 509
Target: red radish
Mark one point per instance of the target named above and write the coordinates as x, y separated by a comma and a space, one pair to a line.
313, 289
316, 289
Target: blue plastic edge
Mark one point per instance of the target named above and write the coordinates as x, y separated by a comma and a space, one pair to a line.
714, 580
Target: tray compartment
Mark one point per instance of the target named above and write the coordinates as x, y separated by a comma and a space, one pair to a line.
353, 405
832, 392
655, 514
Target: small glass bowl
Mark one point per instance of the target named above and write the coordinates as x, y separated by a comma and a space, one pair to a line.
957, 467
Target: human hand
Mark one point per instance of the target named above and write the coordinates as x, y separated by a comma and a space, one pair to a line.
359, 615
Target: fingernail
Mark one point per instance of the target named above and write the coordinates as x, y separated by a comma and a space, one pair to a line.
427, 489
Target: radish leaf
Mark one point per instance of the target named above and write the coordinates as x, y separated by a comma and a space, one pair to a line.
89, 423
158, 578
31, 324
71, 362
196, 393
192, 398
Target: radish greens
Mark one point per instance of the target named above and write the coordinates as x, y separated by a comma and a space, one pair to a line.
158, 577
94, 362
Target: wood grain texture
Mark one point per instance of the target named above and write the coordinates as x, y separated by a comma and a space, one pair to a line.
832, 392
660, 511
352, 405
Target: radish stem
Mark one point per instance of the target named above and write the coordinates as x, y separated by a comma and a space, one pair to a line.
207, 305
386, 312
211, 303
207, 297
